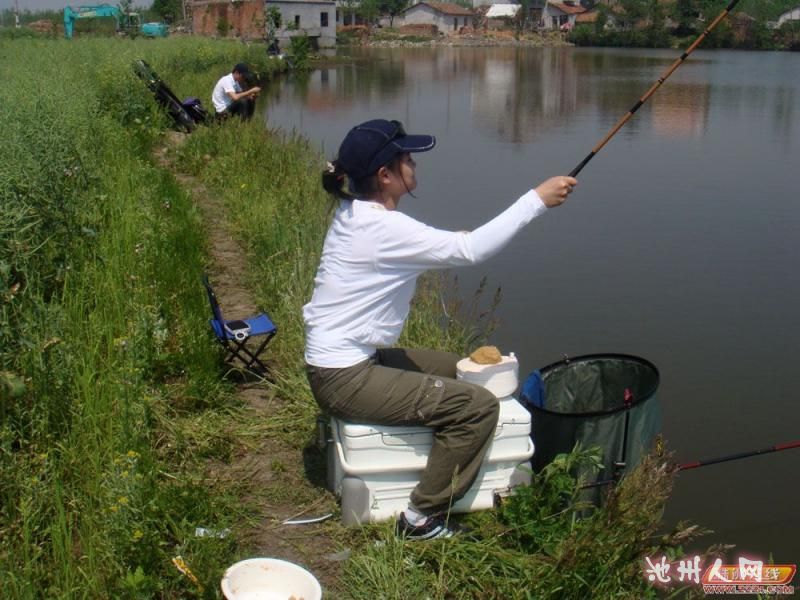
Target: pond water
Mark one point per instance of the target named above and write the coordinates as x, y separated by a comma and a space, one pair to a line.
679, 244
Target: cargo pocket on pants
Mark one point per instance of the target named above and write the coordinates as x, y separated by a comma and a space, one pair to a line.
429, 396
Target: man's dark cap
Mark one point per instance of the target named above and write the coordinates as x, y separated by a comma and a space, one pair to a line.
371, 145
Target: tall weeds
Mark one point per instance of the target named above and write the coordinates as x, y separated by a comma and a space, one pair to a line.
104, 355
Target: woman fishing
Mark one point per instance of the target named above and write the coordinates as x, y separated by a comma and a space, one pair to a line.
370, 262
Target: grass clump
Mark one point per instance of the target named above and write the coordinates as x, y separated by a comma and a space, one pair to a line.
534, 546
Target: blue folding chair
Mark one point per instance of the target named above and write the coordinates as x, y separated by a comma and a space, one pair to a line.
234, 334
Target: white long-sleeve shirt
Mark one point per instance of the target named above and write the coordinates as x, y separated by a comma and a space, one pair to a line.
370, 263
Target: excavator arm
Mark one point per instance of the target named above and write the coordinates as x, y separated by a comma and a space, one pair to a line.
95, 11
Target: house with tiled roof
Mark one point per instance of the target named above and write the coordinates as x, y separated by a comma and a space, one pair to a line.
591, 16
245, 19
446, 16
561, 15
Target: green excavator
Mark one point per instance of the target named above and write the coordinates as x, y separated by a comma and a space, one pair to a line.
128, 23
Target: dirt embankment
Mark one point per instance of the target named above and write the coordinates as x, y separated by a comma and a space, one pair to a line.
417, 36
265, 466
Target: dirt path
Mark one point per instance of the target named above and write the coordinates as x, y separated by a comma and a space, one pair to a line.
270, 464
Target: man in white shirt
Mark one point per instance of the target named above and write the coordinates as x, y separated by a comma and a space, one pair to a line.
363, 289
233, 95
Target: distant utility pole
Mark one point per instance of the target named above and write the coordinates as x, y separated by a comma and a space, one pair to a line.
16, 14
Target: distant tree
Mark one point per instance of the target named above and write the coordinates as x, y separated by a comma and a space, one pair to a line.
300, 49
369, 10
272, 23
392, 8
789, 35
602, 19
637, 11
685, 13
169, 10
349, 8
522, 18
762, 38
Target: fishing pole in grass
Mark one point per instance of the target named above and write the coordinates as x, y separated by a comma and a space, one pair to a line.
712, 461
653, 88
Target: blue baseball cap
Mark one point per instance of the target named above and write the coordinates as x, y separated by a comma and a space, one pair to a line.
371, 145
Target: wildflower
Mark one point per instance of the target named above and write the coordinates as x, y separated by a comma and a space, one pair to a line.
114, 508
133, 454
137, 535
123, 500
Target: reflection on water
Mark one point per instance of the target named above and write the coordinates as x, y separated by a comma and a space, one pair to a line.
680, 111
516, 94
679, 244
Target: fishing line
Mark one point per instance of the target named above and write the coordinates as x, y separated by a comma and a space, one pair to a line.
653, 88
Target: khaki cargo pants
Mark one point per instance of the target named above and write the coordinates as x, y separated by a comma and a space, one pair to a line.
417, 387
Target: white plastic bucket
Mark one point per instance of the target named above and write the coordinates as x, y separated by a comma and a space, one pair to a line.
269, 579
502, 379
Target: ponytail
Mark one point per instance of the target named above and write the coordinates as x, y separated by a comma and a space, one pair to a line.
336, 182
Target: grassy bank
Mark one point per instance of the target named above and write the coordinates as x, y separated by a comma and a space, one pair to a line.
111, 400
535, 546
107, 372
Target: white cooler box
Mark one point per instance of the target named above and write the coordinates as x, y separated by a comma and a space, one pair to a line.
374, 468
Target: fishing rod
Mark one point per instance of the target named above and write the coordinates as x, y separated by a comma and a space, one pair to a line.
712, 461
721, 459
653, 88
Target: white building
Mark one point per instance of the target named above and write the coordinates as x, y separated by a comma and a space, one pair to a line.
449, 18
789, 15
346, 12
500, 16
314, 18
561, 15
